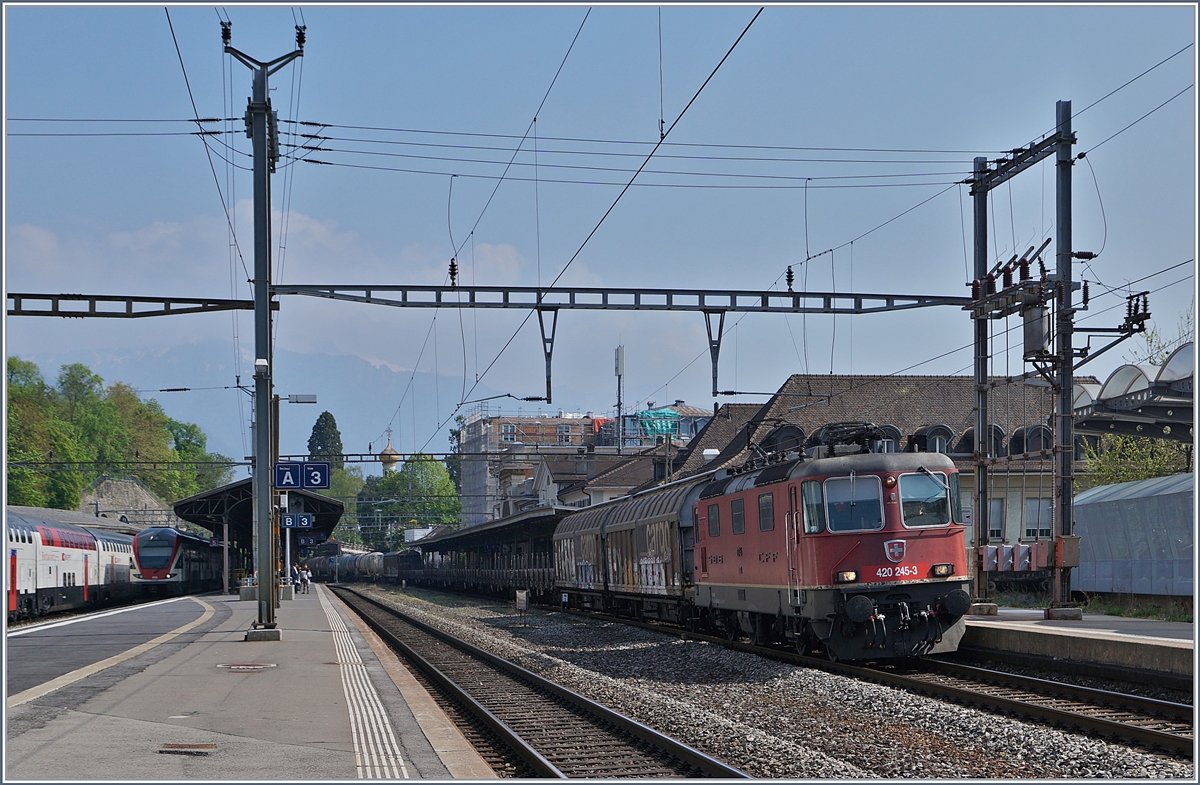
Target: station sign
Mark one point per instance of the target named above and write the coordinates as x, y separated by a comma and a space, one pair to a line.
311, 475
306, 541
296, 520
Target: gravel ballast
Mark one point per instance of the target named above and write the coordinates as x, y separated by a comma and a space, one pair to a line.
771, 719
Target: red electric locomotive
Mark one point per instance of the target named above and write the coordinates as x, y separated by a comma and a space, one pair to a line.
862, 555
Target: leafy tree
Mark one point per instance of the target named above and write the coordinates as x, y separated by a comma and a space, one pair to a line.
421, 494
1129, 458
325, 443
79, 421
454, 461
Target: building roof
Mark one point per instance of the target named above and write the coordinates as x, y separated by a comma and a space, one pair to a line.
908, 403
1138, 489
717, 433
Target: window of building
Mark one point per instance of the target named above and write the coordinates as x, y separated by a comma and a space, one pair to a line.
766, 512
814, 507
854, 503
887, 445
564, 429
1037, 517
924, 500
737, 516
714, 521
564, 438
937, 444
508, 433
996, 519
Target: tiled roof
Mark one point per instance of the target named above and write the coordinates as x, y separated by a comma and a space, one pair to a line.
906, 402
717, 433
633, 471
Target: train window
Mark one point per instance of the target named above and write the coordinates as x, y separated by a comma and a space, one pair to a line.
814, 507
714, 521
924, 499
854, 503
737, 516
766, 512
956, 499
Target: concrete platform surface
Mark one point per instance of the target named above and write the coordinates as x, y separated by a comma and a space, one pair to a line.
197, 701
1145, 644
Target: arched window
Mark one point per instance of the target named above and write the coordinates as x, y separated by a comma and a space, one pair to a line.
931, 438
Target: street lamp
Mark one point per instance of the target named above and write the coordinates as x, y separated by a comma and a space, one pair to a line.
283, 497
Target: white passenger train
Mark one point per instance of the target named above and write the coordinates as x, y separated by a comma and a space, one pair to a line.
51, 566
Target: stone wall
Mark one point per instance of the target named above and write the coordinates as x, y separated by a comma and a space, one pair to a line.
128, 499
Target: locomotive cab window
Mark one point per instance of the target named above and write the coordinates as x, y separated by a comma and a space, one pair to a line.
814, 507
854, 503
714, 521
924, 499
956, 499
737, 516
766, 512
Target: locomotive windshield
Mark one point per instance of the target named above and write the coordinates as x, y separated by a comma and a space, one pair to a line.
154, 553
854, 503
924, 499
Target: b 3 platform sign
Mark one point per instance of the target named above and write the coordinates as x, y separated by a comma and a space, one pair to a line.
310, 475
296, 520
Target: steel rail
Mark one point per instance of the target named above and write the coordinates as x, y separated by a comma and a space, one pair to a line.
688, 755
1146, 736
1161, 679
506, 734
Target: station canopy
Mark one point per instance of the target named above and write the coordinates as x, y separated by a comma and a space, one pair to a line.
1141, 400
234, 504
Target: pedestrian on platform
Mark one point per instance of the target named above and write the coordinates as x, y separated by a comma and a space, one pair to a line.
305, 577
295, 575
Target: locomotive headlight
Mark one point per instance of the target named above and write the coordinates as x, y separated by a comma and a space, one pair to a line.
943, 570
845, 576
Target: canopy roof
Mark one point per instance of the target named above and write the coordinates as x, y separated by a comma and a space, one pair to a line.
234, 504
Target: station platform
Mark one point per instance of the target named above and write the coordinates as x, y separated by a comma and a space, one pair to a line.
171, 690
1143, 644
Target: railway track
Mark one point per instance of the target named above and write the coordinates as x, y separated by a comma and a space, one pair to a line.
553, 731
1154, 724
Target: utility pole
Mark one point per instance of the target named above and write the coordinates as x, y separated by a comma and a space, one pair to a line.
261, 128
982, 351
1065, 432
620, 373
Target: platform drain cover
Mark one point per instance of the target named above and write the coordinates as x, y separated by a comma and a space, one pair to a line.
187, 749
247, 666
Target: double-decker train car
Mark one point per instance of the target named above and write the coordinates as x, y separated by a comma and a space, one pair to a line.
55, 566
173, 562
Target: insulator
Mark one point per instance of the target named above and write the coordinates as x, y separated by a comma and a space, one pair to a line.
453, 272
975, 289
1025, 269
1086, 294
1042, 268
300, 36
791, 277
1129, 303
1008, 279
226, 32
991, 283
1146, 303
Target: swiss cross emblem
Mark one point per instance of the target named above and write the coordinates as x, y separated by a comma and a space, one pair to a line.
894, 550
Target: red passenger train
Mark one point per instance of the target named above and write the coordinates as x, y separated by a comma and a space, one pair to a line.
172, 562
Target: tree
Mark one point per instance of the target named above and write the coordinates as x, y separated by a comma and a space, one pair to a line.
80, 421
454, 461
1130, 458
421, 494
325, 443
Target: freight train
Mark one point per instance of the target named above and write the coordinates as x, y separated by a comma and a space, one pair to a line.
54, 566
855, 553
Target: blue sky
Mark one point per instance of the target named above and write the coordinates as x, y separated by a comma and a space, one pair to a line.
142, 214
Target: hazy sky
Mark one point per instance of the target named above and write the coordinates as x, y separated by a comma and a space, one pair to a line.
823, 124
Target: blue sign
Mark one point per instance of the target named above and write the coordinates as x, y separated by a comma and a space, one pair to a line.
296, 520
316, 475
303, 541
287, 476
